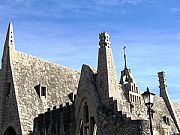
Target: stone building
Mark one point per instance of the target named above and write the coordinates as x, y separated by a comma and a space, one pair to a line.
50, 99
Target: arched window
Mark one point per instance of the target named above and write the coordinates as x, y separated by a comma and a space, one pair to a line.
10, 131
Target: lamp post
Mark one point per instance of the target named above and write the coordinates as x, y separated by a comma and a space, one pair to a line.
149, 99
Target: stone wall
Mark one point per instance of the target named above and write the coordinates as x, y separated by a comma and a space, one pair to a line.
162, 111
29, 72
9, 108
111, 123
177, 109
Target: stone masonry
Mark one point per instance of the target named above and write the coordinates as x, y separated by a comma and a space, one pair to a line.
21, 99
42, 98
97, 112
165, 96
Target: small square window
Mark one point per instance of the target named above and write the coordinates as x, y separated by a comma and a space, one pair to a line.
43, 91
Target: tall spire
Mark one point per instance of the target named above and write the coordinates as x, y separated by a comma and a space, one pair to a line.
9, 42
125, 62
10, 37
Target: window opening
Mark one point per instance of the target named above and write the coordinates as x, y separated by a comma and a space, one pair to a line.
81, 128
8, 89
86, 131
86, 113
43, 91
92, 125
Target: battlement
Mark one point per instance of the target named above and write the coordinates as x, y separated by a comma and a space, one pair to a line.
59, 120
119, 123
63, 107
104, 39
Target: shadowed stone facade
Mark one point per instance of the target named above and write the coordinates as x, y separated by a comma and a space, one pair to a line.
50, 99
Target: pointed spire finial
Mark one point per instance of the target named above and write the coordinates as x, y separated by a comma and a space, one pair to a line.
10, 37
9, 43
125, 63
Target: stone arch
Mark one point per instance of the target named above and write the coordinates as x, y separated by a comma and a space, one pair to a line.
10, 131
86, 117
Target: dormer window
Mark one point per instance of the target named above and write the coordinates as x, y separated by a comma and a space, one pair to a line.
41, 90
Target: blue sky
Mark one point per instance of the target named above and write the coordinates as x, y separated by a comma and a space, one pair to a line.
66, 32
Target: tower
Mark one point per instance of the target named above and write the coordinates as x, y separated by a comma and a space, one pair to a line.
130, 88
164, 94
106, 74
